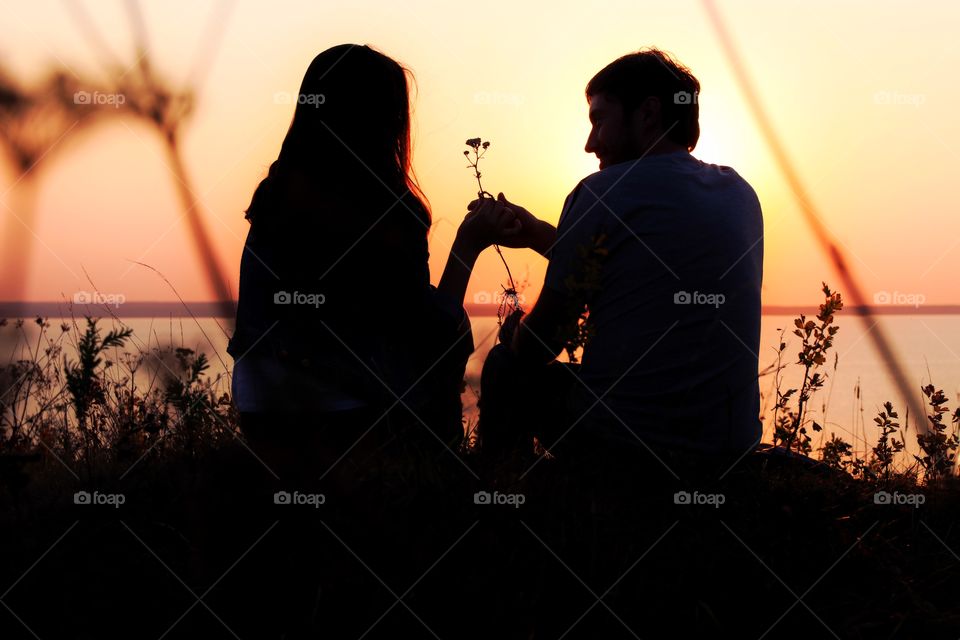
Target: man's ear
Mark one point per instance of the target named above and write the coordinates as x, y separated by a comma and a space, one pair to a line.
647, 114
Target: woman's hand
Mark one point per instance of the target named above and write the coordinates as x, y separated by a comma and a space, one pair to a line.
488, 222
533, 233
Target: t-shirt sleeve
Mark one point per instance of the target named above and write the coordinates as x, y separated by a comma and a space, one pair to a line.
575, 229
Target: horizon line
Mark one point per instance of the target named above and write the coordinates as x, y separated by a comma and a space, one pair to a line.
210, 309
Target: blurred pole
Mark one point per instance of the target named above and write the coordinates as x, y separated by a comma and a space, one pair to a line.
851, 288
20, 213
216, 281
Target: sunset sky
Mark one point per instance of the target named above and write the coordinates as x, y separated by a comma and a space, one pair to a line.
862, 94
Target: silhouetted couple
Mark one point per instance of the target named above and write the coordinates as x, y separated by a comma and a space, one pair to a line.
340, 333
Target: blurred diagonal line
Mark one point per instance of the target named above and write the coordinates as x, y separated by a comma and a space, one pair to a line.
218, 20
203, 243
199, 599
191, 209
210, 40
599, 599
827, 170
191, 205
140, 36
599, 400
399, 399
632, 232
90, 33
200, 200
399, 599
799, 599
610, 188
37, 561
812, 216
859, 338
108, 59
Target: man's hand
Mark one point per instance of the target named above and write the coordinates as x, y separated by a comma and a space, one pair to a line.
487, 224
533, 233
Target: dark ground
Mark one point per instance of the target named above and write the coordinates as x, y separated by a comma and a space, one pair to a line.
598, 549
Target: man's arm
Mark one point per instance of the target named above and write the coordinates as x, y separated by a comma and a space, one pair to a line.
542, 237
536, 341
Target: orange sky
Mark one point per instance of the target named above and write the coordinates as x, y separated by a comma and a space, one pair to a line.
861, 95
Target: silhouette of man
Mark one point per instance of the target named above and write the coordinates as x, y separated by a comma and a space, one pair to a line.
665, 252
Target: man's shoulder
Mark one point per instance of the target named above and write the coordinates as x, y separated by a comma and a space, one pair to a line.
675, 170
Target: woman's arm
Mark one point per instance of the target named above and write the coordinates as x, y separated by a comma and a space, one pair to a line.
482, 227
456, 274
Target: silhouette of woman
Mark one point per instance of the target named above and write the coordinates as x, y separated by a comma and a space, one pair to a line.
338, 328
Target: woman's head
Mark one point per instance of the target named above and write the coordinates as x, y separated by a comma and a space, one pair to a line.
350, 128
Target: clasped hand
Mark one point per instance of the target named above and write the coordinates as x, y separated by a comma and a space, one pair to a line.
496, 221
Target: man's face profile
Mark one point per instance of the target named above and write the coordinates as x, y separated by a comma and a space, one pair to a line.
609, 136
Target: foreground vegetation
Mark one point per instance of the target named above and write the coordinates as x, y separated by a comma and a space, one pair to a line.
137, 510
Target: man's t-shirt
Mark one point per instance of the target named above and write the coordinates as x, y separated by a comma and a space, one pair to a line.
676, 312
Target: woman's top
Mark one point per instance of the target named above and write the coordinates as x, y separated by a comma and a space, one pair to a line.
336, 310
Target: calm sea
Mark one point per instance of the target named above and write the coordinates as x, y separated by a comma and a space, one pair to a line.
928, 346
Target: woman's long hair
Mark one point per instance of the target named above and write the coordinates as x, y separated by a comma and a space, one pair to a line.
350, 136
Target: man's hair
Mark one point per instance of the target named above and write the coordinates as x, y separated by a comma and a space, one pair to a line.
651, 72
